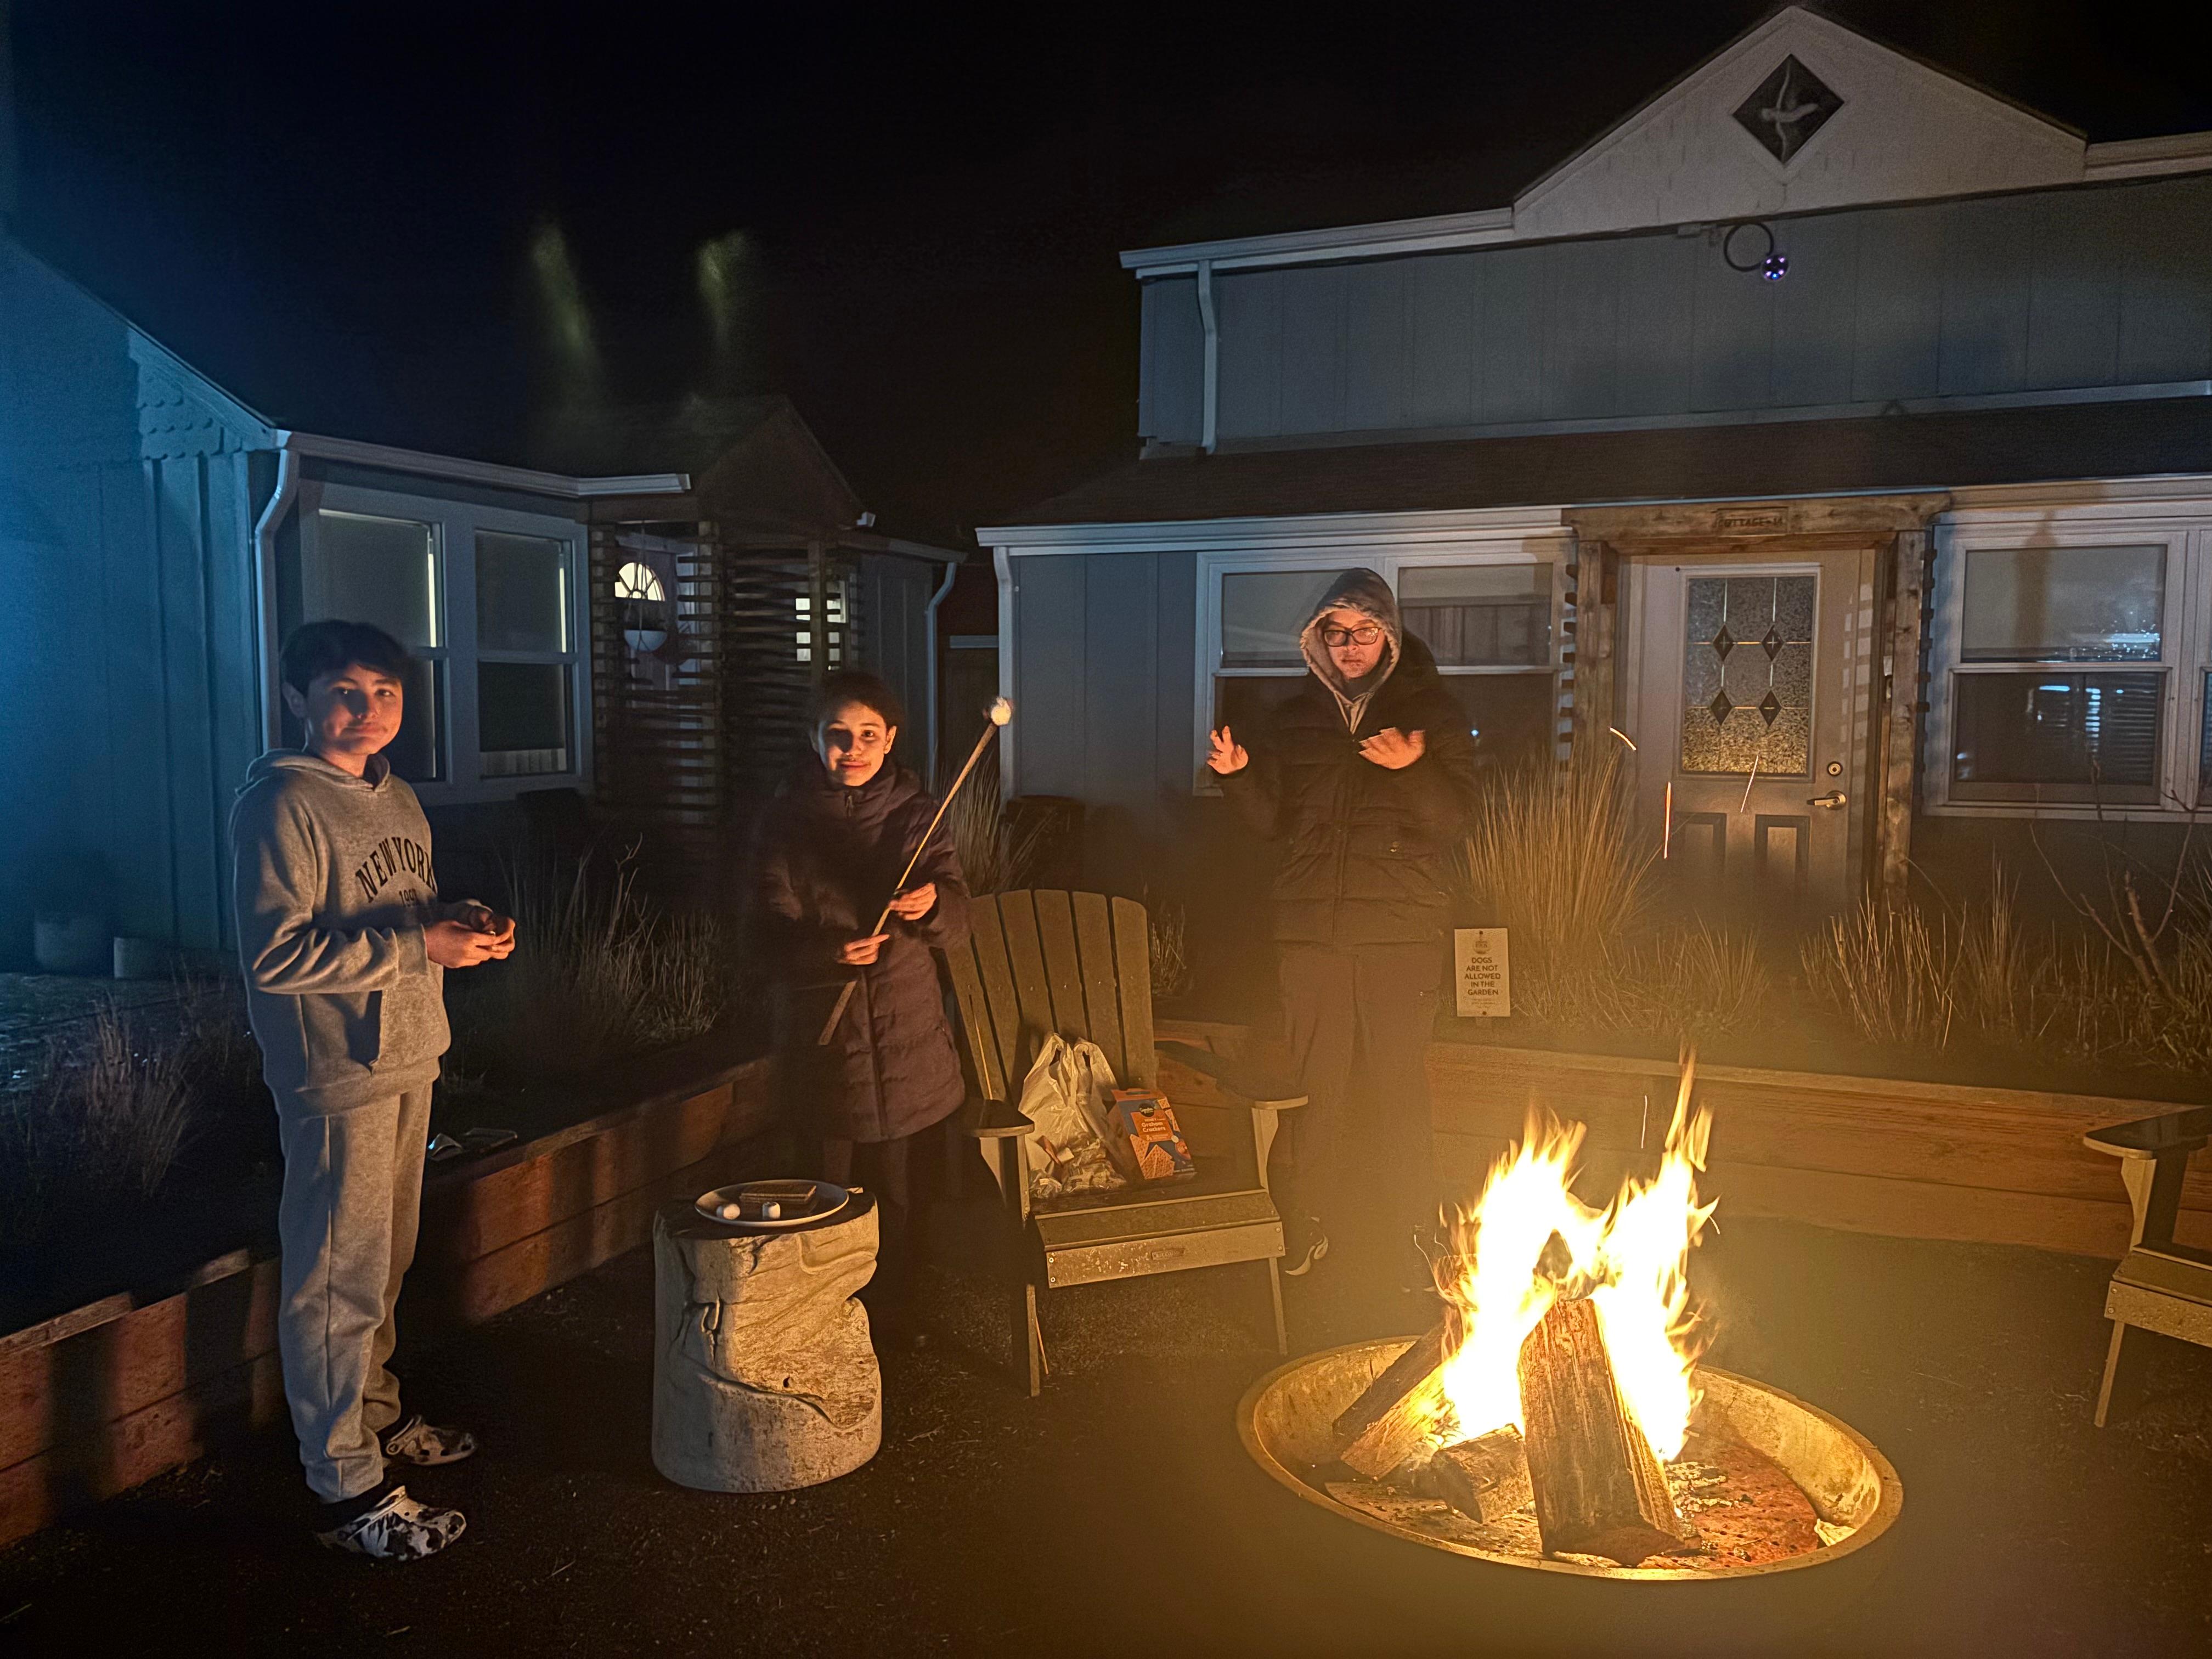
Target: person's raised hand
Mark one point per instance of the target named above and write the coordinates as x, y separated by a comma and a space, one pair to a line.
915, 902
456, 945
1225, 754
859, 952
1395, 749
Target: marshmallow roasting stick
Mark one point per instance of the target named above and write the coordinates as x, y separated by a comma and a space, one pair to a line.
1001, 713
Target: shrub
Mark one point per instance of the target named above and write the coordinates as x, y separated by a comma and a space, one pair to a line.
1170, 950
98, 1119
993, 858
1552, 854
599, 971
1890, 969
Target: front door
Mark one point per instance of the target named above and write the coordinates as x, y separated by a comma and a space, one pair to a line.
1741, 698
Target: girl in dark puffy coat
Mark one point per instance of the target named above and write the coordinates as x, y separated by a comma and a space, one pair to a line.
833, 843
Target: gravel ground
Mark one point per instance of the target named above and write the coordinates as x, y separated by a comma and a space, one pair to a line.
1119, 1514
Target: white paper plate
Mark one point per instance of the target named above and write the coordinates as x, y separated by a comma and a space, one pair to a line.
827, 1201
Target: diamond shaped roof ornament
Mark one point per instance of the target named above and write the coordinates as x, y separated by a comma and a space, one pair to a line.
1790, 105
1719, 707
1723, 642
1770, 706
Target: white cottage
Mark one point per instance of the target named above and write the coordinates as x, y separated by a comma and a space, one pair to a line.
1837, 431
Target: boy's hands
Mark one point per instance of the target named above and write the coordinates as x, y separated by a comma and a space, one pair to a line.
861, 952
456, 945
915, 902
473, 912
1224, 754
1395, 749
474, 934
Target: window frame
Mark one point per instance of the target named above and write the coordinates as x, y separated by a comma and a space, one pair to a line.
2184, 653
1555, 548
455, 525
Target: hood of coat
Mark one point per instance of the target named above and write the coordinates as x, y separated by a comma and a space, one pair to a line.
1366, 592
276, 761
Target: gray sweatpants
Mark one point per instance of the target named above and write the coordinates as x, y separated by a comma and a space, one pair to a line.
353, 1195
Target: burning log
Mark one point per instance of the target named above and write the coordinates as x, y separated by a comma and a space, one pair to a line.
1485, 1478
1599, 1489
1390, 1421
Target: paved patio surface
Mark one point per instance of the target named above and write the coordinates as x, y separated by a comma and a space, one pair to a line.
1119, 1514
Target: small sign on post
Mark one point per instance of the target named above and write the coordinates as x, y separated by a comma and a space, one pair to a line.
1479, 973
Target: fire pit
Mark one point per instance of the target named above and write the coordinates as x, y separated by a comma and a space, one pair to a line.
1557, 1416
1287, 1419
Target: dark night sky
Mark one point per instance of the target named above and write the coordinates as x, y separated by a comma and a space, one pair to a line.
333, 210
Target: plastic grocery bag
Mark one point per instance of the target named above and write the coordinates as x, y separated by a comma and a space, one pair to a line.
1068, 1099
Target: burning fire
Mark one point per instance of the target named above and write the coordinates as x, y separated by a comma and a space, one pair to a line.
1630, 1259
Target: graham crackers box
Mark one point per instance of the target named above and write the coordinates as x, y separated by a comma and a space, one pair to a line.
1146, 1117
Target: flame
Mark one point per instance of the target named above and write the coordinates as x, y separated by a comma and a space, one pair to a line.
1630, 1259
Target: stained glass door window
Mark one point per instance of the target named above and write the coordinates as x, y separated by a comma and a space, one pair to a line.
1747, 675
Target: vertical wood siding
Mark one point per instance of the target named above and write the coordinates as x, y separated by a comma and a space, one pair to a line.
132, 698
2050, 290
1104, 682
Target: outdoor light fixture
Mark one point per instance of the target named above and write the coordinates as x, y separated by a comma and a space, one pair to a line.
1774, 265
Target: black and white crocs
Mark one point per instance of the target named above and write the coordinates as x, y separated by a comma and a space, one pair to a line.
425, 1444
397, 1529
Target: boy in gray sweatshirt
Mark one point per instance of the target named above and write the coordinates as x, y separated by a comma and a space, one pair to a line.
345, 943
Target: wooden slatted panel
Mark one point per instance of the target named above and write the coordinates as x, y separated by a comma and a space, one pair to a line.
1063, 974
975, 1019
1132, 958
1025, 955
1094, 945
987, 936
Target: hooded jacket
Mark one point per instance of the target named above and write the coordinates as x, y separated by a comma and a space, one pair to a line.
829, 856
1367, 850
333, 886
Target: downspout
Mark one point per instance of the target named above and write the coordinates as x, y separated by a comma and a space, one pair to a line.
1209, 404
936, 700
1010, 746
264, 586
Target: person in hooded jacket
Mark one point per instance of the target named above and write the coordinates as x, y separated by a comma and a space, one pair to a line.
832, 844
1367, 778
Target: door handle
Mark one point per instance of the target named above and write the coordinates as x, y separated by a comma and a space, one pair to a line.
1831, 800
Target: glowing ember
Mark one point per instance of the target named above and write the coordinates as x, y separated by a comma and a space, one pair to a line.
1630, 1259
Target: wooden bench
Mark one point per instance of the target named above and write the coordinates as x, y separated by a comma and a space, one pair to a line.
2161, 1286
1080, 964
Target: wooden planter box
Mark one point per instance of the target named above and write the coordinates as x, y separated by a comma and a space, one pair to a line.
98, 1400
1911, 1160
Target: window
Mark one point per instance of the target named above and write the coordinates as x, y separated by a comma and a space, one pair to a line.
1489, 616
2031, 720
488, 602
384, 571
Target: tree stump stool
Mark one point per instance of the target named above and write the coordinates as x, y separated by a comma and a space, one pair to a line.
763, 1378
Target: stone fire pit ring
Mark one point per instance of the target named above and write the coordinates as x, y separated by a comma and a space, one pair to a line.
1285, 1422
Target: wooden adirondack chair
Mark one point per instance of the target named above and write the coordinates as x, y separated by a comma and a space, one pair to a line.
1080, 964
2161, 1286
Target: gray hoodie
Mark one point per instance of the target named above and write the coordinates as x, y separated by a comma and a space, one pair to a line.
334, 887
1364, 590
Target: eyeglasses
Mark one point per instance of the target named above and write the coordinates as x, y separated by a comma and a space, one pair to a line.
1365, 634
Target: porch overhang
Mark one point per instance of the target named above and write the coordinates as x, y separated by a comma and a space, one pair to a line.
1902, 454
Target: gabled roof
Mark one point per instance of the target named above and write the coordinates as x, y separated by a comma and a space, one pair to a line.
1797, 114
750, 458
1894, 453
